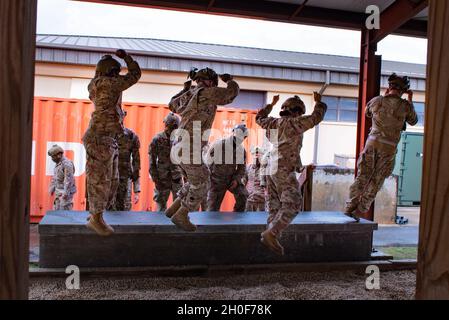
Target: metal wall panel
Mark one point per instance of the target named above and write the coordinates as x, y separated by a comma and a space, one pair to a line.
65, 121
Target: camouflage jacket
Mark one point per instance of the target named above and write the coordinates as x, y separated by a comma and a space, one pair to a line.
289, 133
63, 180
106, 94
197, 106
389, 115
222, 164
254, 181
162, 170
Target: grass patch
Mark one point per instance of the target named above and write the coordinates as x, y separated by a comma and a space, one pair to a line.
400, 253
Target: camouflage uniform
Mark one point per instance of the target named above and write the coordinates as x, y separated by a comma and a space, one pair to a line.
222, 175
128, 168
166, 175
284, 195
100, 139
256, 188
377, 160
198, 104
63, 185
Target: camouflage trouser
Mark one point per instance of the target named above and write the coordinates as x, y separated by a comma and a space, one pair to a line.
217, 191
162, 193
284, 199
123, 196
101, 172
63, 204
194, 190
374, 166
255, 206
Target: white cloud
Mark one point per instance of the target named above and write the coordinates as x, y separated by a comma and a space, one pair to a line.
82, 18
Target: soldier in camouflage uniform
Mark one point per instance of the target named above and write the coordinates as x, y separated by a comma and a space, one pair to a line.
255, 183
100, 139
167, 176
389, 114
284, 195
227, 167
197, 107
63, 181
128, 169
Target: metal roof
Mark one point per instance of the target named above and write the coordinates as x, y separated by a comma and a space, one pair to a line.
330, 13
170, 55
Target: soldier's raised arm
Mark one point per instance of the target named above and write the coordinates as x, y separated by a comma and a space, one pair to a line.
308, 122
412, 117
175, 103
262, 118
222, 96
134, 72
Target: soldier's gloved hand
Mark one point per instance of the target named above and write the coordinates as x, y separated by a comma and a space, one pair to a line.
187, 85
136, 198
316, 96
234, 185
121, 53
275, 100
226, 77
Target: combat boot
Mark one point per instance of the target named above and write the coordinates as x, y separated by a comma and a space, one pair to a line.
170, 212
182, 221
98, 225
350, 212
269, 240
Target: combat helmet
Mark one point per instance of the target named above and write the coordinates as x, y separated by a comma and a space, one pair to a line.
54, 150
108, 66
292, 106
399, 83
171, 120
241, 129
203, 74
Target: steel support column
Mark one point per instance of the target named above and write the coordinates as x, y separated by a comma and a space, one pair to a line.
369, 87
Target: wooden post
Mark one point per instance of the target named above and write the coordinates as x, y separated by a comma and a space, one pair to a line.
433, 252
17, 51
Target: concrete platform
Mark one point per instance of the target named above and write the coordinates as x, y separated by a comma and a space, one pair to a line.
149, 239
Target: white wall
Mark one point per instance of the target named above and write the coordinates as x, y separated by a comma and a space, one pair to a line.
336, 138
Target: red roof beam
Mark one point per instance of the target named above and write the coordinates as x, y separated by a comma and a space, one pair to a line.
396, 15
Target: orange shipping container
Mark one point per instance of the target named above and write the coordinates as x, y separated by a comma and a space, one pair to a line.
64, 121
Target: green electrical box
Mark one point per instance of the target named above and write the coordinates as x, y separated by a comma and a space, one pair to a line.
409, 163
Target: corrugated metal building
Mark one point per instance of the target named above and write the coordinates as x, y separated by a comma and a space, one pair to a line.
65, 64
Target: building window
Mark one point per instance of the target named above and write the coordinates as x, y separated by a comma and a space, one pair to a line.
249, 99
419, 108
340, 109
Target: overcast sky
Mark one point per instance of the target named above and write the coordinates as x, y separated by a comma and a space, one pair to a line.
80, 18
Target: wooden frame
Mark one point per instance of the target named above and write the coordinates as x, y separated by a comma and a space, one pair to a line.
17, 52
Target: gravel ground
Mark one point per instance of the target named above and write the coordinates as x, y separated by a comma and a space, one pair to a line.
395, 285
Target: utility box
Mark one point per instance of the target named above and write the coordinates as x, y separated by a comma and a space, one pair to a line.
409, 163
